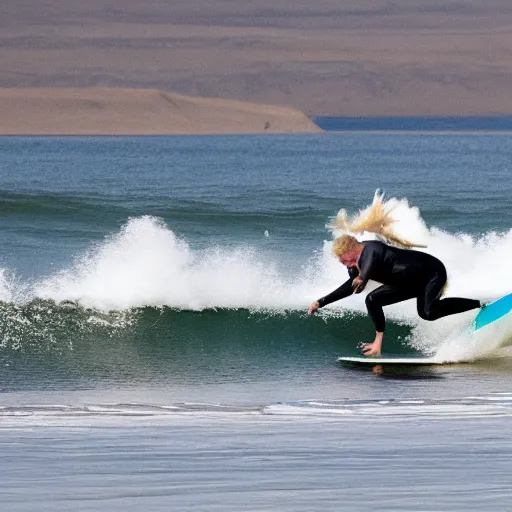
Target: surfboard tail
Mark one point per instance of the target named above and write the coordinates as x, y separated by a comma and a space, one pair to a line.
493, 311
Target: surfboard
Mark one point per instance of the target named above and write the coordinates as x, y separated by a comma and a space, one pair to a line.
493, 311
367, 360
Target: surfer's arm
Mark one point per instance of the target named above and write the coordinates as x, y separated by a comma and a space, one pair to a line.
345, 290
340, 293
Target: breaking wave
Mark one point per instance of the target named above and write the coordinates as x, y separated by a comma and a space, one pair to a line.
146, 265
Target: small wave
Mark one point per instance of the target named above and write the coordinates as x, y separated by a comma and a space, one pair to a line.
47, 204
471, 407
485, 406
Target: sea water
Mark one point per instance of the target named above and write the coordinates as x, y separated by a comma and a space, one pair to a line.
155, 348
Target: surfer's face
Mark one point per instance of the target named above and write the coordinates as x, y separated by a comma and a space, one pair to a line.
349, 258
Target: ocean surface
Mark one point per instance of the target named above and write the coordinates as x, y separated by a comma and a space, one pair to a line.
156, 354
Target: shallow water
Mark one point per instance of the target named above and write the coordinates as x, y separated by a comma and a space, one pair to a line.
261, 463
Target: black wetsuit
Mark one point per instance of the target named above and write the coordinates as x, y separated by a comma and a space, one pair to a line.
404, 274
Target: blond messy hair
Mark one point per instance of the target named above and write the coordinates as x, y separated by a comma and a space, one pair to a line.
343, 244
377, 218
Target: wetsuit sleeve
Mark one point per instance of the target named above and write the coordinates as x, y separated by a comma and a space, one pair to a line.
343, 291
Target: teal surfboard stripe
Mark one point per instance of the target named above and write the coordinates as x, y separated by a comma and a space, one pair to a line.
493, 311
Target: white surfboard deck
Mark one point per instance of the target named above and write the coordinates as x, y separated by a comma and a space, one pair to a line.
367, 360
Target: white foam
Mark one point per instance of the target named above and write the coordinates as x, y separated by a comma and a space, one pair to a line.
6, 287
145, 264
465, 345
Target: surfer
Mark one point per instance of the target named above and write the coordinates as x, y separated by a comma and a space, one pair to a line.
403, 273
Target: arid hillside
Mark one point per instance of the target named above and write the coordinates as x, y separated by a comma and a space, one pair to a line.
330, 57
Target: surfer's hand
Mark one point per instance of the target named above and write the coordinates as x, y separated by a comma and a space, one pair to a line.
357, 285
370, 349
314, 306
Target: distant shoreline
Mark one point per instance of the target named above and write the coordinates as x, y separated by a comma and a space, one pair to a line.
111, 111
415, 123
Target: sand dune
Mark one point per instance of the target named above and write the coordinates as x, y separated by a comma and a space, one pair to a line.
117, 111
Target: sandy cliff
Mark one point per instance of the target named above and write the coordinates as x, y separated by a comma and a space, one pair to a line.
117, 111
